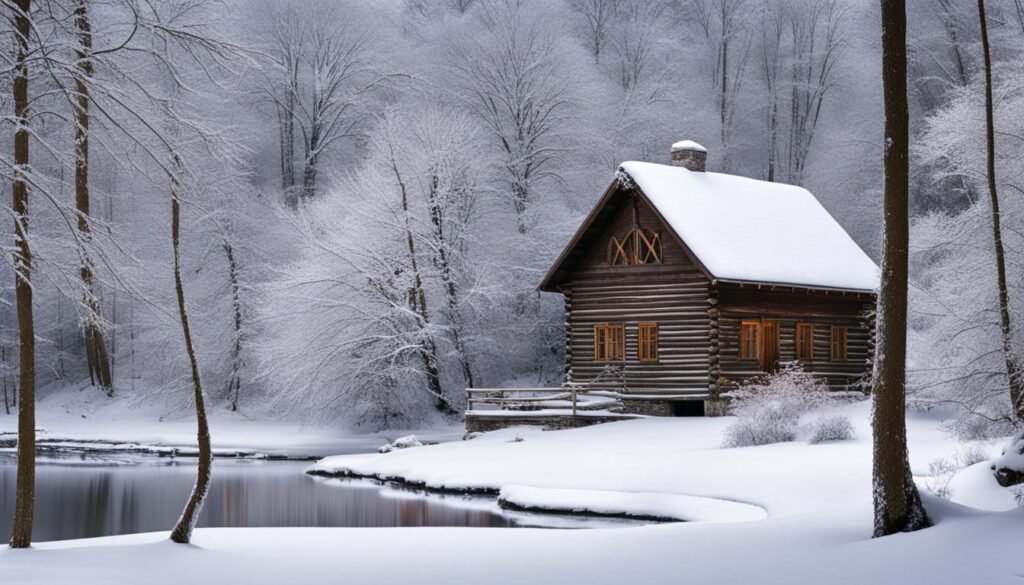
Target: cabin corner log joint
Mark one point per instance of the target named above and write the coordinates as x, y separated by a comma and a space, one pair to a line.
690, 282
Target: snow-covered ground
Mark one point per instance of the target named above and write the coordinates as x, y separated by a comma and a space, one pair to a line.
77, 415
664, 456
786, 513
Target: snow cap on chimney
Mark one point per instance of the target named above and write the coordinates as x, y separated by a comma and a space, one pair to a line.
689, 155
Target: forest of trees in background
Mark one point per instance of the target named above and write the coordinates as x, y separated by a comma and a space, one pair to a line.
372, 191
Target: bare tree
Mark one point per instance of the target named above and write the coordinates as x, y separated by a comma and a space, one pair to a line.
517, 88
772, 33
818, 41
639, 28
1013, 368
286, 35
445, 143
182, 532
92, 326
897, 503
417, 293
948, 12
598, 18
24, 491
233, 386
723, 24
336, 59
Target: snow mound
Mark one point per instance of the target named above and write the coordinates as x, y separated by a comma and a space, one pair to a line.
651, 505
976, 487
400, 443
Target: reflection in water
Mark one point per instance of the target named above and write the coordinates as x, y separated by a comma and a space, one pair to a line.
78, 501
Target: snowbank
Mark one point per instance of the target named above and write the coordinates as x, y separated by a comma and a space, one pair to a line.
85, 420
646, 505
816, 522
834, 548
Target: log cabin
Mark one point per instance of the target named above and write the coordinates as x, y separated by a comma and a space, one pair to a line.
691, 282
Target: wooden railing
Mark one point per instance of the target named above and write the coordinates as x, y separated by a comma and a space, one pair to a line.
503, 398
609, 383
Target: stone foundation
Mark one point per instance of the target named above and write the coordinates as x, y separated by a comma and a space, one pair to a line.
482, 423
647, 407
716, 407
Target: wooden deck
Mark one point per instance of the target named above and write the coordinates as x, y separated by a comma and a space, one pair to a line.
490, 409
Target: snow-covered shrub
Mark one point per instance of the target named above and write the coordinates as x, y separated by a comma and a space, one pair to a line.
941, 471
828, 427
400, 443
768, 410
1018, 495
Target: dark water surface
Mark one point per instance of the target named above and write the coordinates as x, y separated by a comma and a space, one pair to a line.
79, 499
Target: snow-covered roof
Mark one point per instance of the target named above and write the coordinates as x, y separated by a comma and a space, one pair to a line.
688, 145
755, 231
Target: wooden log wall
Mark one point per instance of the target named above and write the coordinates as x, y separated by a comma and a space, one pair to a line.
567, 372
673, 294
790, 307
714, 342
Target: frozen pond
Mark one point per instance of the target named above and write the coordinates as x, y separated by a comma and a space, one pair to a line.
84, 498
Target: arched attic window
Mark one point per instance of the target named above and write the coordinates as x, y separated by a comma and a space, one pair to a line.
638, 246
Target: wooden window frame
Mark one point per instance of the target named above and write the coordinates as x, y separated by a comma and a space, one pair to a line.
750, 350
838, 343
756, 349
638, 247
804, 348
610, 342
647, 341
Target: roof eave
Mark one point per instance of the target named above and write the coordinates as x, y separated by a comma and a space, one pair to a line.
546, 283
808, 287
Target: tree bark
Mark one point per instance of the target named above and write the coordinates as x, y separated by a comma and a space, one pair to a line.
418, 301
1013, 370
95, 344
443, 262
21, 533
183, 530
897, 504
234, 385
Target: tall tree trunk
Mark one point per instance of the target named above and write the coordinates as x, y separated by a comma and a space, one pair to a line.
949, 22
287, 127
418, 301
95, 344
897, 504
183, 530
234, 385
1013, 370
24, 491
723, 106
773, 133
310, 168
443, 262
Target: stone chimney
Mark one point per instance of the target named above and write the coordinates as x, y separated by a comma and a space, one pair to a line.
689, 155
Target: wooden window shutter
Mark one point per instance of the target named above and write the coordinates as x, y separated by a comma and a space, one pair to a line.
838, 343
750, 333
609, 342
647, 342
805, 342
616, 342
